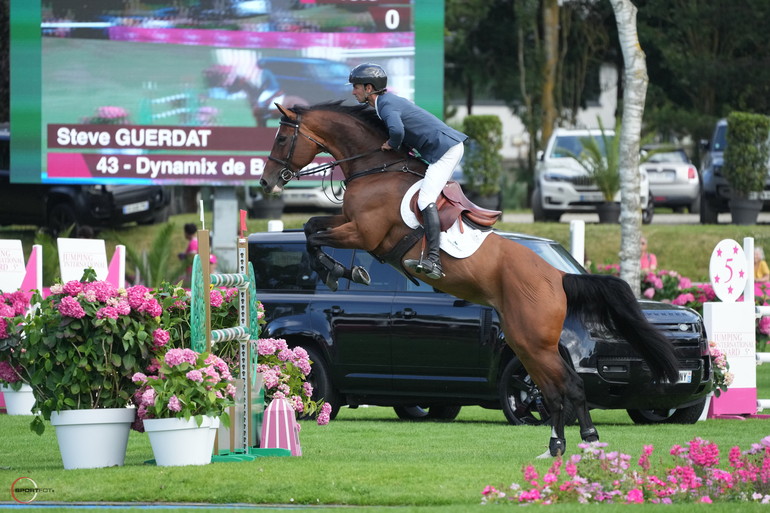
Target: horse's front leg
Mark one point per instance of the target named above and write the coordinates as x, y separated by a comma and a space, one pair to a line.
317, 230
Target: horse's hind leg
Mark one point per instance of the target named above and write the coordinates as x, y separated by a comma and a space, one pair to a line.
576, 393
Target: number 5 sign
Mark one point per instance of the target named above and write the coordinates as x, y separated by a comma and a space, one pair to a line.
727, 270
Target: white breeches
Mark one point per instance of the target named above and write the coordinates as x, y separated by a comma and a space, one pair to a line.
438, 174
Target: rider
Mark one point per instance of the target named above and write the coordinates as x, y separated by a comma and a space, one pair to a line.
414, 128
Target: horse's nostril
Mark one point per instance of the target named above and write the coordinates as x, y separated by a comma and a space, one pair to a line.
263, 183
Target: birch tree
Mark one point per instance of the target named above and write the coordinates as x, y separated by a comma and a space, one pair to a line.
634, 93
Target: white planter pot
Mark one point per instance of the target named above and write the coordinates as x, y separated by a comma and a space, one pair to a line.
180, 442
93, 438
18, 402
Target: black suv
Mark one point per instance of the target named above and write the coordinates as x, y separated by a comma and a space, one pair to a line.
716, 191
59, 206
427, 354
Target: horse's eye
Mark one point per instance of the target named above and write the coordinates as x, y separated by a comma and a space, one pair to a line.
281, 139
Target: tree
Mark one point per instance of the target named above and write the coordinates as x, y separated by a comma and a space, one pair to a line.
5, 61
634, 94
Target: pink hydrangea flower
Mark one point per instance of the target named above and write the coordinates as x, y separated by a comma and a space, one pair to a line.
215, 298
176, 357
70, 307
195, 375
72, 288
174, 404
160, 337
107, 311
148, 397
139, 377
325, 415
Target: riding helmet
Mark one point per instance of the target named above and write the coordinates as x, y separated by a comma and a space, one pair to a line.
369, 73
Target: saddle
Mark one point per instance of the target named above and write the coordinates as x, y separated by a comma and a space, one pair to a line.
453, 206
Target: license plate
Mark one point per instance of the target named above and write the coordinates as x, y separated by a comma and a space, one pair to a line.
765, 195
133, 208
685, 376
592, 196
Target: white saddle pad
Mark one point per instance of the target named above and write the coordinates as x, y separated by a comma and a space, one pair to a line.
456, 243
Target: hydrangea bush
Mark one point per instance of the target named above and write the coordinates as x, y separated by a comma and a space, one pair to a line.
692, 474
13, 307
86, 340
184, 384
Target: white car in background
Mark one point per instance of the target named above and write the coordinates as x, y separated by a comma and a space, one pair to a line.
562, 185
674, 180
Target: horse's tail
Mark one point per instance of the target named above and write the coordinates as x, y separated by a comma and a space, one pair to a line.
609, 301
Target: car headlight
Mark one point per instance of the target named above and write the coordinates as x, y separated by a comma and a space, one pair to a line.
555, 177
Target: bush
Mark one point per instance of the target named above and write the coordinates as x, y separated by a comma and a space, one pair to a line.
747, 152
483, 165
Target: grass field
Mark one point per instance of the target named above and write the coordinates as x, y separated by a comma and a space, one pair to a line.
366, 457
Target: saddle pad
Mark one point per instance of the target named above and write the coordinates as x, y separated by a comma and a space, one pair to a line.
456, 242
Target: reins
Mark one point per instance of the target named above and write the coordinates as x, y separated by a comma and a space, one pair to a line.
287, 173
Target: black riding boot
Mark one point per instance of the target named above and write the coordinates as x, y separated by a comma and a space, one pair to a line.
431, 265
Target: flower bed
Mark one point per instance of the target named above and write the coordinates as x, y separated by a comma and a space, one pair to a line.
598, 476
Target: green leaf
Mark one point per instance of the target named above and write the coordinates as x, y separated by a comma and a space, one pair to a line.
116, 360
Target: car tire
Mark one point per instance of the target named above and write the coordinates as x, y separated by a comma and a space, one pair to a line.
688, 415
445, 412
521, 400
708, 211
540, 214
320, 379
649, 212
61, 217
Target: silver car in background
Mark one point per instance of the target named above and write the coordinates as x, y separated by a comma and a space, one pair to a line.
674, 180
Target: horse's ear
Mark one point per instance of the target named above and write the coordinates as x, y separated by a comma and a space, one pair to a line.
286, 112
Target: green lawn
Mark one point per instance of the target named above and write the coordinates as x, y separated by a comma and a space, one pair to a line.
366, 457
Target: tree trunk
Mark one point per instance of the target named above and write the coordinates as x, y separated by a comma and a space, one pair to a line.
634, 93
550, 64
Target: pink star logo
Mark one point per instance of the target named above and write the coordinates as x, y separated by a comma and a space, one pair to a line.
719, 252
735, 250
716, 278
730, 291
741, 273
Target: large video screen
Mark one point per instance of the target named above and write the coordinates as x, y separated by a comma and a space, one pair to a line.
184, 91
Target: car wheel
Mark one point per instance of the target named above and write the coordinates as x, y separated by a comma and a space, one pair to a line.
521, 400
648, 212
540, 214
61, 217
320, 379
688, 415
708, 211
436, 412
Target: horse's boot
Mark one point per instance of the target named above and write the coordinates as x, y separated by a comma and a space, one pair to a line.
430, 265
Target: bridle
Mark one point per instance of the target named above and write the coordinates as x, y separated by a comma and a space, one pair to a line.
287, 173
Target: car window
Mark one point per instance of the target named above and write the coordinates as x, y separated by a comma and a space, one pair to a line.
554, 254
384, 277
284, 266
720, 138
569, 145
668, 156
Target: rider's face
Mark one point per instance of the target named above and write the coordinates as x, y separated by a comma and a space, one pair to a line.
359, 92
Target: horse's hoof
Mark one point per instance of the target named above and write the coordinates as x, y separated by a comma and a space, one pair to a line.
590, 435
360, 275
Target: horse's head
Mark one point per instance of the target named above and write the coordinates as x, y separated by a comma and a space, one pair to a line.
294, 148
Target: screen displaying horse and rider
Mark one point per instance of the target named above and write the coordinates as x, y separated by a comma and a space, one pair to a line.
193, 84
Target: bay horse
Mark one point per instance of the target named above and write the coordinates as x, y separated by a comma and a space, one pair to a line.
531, 297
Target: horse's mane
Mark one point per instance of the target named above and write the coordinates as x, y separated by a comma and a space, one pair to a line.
363, 112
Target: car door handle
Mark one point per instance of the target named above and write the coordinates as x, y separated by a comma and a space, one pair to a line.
335, 310
408, 313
